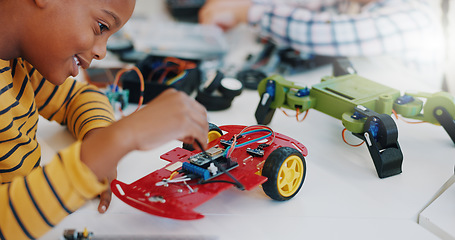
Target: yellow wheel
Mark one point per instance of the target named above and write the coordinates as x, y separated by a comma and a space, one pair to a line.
285, 169
214, 133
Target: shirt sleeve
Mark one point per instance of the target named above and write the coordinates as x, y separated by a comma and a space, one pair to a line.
79, 106
36, 203
407, 28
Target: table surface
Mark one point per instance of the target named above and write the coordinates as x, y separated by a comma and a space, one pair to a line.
342, 197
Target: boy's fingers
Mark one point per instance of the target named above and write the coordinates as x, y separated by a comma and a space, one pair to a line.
105, 200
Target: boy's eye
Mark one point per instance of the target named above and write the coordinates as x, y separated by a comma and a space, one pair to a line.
103, 27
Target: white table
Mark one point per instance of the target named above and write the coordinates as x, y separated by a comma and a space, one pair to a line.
342, 197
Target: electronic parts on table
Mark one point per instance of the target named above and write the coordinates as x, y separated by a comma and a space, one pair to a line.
206, 165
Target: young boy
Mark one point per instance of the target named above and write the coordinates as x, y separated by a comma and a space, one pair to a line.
43, 42
406, 31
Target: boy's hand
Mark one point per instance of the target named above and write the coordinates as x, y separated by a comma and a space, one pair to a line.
171, 115
106, 196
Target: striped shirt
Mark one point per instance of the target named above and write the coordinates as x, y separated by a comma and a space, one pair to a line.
407, 30
35, 198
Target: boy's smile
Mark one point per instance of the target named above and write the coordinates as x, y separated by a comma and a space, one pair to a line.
79, 62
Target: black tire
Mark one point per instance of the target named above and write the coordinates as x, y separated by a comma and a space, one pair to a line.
214, 133
279, 186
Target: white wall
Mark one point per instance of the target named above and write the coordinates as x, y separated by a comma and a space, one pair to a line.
450, 72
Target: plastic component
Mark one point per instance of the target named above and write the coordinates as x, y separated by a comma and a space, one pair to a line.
118, 96
201, 172
381, 135
286, 169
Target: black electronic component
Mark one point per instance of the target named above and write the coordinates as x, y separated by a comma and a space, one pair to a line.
203, 158
226, 143
153, 69
251, 78
381, 135
185, 10
342, 66
230, 87
218, 92
255, 152
206, 164
206, 168
72, 234
224, 167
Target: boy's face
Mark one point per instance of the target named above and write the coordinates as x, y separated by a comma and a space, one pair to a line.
66, 34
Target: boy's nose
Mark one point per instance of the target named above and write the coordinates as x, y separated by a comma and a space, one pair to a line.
99, 49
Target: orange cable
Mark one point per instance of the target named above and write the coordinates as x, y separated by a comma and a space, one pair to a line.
404, 120
344, 139
141, 80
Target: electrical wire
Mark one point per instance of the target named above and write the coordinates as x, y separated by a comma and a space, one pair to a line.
350, 144
256, 128
296, 114
177, 78
238, 184
141, 80
404, 120
178, 67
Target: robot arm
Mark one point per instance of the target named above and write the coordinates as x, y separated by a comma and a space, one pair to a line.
439, 109
277, 92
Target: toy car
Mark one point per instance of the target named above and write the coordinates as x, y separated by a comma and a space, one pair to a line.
240, 156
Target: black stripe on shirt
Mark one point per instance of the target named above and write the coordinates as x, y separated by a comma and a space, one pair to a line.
6, 88
21, 91
18, 220
5, 69
88, 110
8, 154
32, 127
13, 68
11, 139
30, 112
7, 127
53, 189
27, 114
68, 96
21, 162
93, 118
1, 235
36, 205
9, 108
48, 99
82, 105
43, 80
37, 163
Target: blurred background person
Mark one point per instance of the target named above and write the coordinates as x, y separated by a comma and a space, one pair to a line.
409, 31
